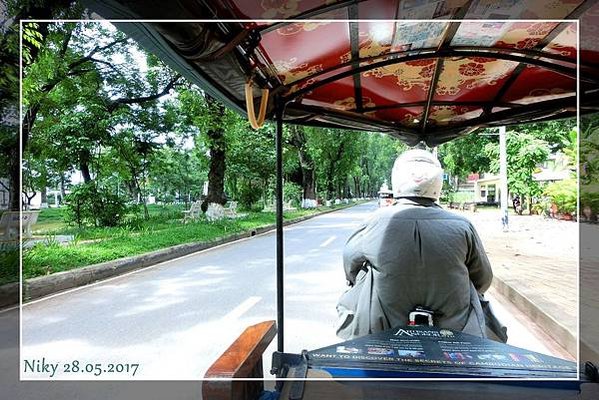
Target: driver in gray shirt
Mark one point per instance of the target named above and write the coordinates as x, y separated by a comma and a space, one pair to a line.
412, 254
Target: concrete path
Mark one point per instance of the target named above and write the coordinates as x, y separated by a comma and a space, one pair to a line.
61, 239
536, 264
589, 295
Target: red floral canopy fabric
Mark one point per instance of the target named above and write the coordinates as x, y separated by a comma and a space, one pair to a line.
420, 70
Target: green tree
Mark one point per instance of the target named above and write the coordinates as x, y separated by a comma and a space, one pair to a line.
376, 162
177, 173
524, 154
34, 37
465, 155
555, 133
211, 118
250, 161
589, 165
91, 91
335, 151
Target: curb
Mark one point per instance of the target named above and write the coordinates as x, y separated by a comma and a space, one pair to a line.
8, 294
550, 325
42, 286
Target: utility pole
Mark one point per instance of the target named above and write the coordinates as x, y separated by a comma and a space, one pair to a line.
503, 176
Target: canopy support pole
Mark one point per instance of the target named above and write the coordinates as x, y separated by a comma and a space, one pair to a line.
503, 177
280, 108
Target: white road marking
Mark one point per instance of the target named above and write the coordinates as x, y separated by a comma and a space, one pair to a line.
5, 310
328, 241
242, 308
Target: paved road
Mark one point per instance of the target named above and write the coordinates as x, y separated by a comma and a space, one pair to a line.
176, 318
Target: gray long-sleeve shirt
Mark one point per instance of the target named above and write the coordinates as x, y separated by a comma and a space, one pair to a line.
421, 255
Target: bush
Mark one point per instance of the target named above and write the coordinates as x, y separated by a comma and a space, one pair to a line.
541, 206
563, 195
9, 263
589, 197
459, 197
292, 192
87, 205
249, 195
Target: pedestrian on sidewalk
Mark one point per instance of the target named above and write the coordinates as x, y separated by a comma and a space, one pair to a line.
414, 254
517, 205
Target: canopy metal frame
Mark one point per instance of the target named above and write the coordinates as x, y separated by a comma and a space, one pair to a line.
280, 255
353, 68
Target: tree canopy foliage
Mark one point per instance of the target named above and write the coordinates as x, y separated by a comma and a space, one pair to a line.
528, 147
98, 107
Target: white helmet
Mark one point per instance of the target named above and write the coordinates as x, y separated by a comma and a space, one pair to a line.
417, 173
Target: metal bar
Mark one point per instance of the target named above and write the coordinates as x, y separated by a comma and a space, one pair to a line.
506, 117
448, 35
280, 109
569, 72
539, 46
345, 115
310, 14
457, 51
354, 41
440, 103
431, 93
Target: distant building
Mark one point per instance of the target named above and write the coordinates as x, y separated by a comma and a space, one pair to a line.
487, 186
487, 189
555, 169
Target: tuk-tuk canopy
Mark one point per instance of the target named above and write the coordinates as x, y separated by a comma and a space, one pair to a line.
369, 65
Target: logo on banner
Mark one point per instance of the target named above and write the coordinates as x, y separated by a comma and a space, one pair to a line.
402, 332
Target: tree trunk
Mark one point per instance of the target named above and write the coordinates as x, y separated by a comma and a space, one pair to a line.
15, 184
309, 184
217, 148
29, 198
84, 158
216, 177
85, 172
44, 194
298, 140
357, 190
146, 211
330, 189
141, 198
63, 191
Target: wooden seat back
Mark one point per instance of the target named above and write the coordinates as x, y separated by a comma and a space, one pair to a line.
243, 359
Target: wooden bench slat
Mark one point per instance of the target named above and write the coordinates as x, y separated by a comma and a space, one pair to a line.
243, 359
237, 361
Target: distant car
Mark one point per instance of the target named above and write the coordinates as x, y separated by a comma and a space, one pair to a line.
385, 199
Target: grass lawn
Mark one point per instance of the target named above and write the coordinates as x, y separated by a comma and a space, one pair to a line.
9, 263
49, 220
163, 229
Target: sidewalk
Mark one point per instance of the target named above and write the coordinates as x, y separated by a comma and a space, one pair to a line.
589, 295
535, 265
